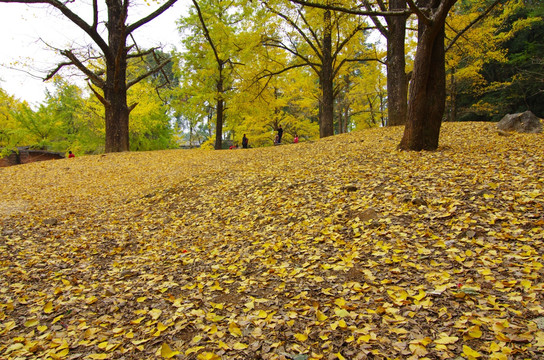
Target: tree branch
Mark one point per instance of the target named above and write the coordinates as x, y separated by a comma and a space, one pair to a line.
472, 23
150, 72
95, 79
151, 16
351, 11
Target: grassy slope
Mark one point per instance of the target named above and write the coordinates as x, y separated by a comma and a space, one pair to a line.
270, 253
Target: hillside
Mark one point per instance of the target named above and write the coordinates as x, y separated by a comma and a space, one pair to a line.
342, 248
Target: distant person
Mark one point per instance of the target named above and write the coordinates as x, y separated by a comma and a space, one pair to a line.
245, 141
276, 140
295, 140
280, 134
71, 154
233, 147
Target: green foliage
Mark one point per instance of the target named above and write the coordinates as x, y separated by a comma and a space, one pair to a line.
496, 68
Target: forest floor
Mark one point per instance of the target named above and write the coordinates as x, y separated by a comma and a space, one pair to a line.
343, 248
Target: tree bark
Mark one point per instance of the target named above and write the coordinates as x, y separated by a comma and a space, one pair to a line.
326, 114
115, 88
397, 82
219, 116
428, 87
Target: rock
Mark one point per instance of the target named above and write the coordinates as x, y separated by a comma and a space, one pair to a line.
50, 221
350, 188
525, 122
419, 202
368, 214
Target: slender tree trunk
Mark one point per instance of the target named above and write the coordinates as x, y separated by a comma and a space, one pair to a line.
220, 109
428, 85
326, 114
397, 82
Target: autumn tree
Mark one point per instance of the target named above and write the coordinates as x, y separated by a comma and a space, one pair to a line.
494, 66
110, 85
316, 38
216, 41
394, 31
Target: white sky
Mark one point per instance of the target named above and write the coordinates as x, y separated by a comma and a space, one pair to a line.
22, 52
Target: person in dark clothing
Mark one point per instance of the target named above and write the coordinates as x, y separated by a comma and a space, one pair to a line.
280, 134
245, 141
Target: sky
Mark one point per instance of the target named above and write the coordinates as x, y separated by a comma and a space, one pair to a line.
25, 30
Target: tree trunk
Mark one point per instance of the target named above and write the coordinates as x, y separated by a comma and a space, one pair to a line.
396, 67
326, 114
428, 85
219, 111
115, 89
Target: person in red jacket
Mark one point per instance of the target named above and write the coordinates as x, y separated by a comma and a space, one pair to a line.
71, 154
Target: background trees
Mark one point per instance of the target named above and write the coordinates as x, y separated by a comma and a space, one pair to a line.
247, 67
109, 84
496, 67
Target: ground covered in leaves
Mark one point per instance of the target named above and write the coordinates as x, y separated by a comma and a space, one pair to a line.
344, 248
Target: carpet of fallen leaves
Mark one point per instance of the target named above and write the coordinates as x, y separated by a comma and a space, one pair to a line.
343, 248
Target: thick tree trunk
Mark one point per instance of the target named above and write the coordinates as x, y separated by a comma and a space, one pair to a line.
115, 89
326, 113
428, 85
397, 82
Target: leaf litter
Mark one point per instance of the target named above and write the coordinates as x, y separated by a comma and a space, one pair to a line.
342, 248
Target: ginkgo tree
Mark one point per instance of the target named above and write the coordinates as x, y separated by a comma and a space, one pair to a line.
317, 39
216, 43
111, 37
489, 60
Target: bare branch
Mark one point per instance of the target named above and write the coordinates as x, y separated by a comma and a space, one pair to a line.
472, 23
99, 96
95, 79
352, 11
150, 17
149, 73
90, 30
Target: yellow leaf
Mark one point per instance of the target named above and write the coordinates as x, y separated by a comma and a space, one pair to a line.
301, 337
498, 356
240, 346
470, 353
166, 352
340, 302
155, 313
141, 299
420, 296
98, 356
62, 354
48, 308
208, 356
42, 328
363, 338
193, 350
341, 312
446, 340
223, 346
320, 316
32, 322
234, 329
137, 321
196, 339
161, 326
475, 332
